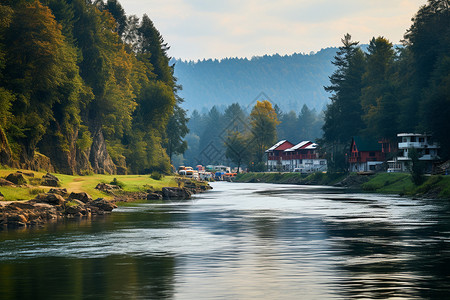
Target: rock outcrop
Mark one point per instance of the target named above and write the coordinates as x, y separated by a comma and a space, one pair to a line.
4, 182
59, 191
16, 178
83, 197
108, 188
50, 180
50, 207
175, 193
99, 157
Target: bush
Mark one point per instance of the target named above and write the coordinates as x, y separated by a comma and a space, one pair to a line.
118, 183
36, 191
35, 181
156, 175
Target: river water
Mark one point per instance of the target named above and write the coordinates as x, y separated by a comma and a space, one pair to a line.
239, 241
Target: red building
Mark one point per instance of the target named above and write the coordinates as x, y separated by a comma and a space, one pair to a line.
365, 155
303, 157
275, 154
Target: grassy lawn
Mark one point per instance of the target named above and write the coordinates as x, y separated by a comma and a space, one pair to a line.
389, 183
401, 183
131, 183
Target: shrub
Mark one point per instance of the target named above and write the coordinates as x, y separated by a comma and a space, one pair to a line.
156, 175
35, 181
35, 191
118, 183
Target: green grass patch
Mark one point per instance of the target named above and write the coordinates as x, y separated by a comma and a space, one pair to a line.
387, 181
36, 191
77, 183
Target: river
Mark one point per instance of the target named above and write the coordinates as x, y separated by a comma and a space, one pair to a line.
239, 241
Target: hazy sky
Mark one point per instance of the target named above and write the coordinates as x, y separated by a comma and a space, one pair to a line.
198, 29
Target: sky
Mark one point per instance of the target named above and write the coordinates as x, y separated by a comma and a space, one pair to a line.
197, 29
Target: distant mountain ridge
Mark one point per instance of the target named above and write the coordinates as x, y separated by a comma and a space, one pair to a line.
289, 81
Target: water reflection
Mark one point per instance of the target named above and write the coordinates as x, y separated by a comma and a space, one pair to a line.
112, 277
240, 241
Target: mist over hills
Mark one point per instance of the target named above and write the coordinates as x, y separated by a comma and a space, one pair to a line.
289, 81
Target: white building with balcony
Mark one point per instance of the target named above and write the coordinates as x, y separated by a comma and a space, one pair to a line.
426, 148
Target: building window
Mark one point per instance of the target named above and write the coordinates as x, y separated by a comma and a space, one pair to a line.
322, 162
413, 139
421, 140
372, 167
371, 153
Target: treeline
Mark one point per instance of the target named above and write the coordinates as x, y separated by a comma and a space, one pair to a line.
289, 80
228, 136
85, 88
391, 90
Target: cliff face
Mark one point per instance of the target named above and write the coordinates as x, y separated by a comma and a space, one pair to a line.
99, 158
5, 151
58, 152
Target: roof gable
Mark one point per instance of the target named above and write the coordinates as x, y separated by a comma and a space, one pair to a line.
301, 145
280, 146
366, 144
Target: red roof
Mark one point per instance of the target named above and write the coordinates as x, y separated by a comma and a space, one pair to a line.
280, 146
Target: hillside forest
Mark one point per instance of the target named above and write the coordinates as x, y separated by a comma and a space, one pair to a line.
85, 88
208, 139
389, 90
289, 80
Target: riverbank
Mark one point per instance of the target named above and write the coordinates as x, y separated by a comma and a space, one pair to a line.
435, 186
34, 198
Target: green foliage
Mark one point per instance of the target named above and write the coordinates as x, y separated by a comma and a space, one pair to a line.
394, 90
71, 70
416, 167
156, 175
175, 132
84, 140
36, 191
263, 122
237, 148
343, 116
117, 182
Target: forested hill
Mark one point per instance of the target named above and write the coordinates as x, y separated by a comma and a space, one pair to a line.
289, 81
85, 88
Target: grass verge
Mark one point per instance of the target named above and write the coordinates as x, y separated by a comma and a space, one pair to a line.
77, 183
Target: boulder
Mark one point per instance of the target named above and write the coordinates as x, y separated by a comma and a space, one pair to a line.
29, 174
16, 178
154, 196
4, 182
102, 204
83, 197
77, 210
60, 191
17, 220
52, 199
50, 180
175, 193
104, 187
21, 205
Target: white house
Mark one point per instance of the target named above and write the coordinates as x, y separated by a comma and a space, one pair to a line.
303, 157
426, 148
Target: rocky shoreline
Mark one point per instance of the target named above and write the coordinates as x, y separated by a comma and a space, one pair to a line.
52, 207
57, 204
